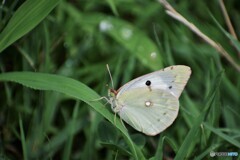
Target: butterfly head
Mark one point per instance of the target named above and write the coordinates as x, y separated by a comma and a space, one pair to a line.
113, 101
112, 92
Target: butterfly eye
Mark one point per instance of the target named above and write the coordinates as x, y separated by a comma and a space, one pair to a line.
148, 83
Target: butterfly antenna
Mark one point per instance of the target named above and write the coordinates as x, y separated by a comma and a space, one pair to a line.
110, 75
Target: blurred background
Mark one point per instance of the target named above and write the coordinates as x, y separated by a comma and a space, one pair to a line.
77, 38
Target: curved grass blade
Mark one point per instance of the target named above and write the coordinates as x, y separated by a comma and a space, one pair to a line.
27, 16
222, 135
127, 35
73, 88
233, 40
188, 141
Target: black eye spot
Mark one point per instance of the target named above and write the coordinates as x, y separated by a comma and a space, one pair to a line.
170, 87
148, 83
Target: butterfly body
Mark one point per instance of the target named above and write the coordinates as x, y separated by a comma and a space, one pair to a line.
150, 103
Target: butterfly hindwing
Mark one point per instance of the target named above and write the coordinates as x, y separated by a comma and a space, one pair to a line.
148, 110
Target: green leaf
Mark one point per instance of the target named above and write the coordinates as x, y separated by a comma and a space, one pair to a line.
139, 140
184, 149
27, 16
120, 149
113, 6
188, 141
134, 40
126, 34
222, 135
160, 149
73, 88
23, 140
64, 135
107, 132
234, 41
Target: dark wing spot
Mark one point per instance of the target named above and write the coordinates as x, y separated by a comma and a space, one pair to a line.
164, 113
148, 83
170, 87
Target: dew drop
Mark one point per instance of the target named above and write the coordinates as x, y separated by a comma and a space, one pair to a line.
126, 33
153, 55
105, 26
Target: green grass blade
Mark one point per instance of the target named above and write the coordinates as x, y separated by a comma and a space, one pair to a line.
23, 140
73, 88
159, 155
27, 16
135, 41
222, 135
206, 152
127, 35
52, 145
68, 147
234, 41
184, 149
113, 6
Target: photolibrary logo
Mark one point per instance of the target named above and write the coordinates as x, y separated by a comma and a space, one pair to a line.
212, 154
223, 154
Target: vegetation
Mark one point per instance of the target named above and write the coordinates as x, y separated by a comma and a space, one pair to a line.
53, 57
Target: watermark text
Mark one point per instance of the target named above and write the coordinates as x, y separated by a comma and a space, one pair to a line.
223, 154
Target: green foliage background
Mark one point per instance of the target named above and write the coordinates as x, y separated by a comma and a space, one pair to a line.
58, 51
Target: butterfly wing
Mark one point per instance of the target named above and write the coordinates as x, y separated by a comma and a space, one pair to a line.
171, 79
148, 111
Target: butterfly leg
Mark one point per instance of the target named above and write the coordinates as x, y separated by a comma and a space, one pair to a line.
115, 115
123, 123
98, 99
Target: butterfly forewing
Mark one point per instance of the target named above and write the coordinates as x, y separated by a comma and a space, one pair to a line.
171, 79
148, 110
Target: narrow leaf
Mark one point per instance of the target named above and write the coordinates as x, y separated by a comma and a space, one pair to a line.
27, 16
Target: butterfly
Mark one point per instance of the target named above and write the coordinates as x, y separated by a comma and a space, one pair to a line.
150, 103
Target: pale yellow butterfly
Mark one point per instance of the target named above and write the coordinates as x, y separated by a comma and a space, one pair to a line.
150, 103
